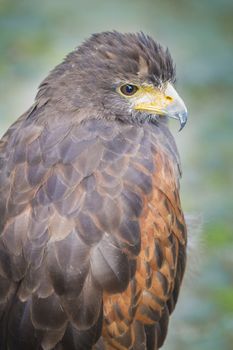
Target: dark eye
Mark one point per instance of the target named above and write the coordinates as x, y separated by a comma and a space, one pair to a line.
128, 89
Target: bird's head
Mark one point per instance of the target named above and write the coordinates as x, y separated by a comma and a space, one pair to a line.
128, 77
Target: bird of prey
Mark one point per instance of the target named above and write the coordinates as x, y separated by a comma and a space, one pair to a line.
92, 234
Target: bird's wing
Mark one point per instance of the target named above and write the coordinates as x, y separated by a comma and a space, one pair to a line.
153, 292
91, 229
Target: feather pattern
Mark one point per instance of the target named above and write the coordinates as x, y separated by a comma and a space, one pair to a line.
79, 239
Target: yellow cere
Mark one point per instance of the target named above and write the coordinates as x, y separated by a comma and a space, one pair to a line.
152, 99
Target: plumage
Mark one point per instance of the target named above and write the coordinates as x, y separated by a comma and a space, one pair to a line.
92, 234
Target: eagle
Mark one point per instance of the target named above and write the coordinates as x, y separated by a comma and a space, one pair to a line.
92, 233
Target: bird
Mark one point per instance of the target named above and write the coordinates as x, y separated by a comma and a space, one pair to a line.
92, 233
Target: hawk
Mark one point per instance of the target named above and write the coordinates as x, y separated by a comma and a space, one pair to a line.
92, 234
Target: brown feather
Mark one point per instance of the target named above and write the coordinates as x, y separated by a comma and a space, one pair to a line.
92, 235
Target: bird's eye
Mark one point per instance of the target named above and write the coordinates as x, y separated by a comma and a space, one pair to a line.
128, 89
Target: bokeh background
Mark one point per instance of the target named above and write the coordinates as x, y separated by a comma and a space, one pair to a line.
36, 35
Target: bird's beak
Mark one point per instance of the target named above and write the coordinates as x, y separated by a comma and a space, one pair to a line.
165, 102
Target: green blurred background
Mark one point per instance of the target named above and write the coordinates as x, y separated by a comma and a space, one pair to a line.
36, 35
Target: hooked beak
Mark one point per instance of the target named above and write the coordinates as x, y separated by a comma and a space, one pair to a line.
163, 103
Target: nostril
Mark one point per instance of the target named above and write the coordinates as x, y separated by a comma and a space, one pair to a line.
169, 98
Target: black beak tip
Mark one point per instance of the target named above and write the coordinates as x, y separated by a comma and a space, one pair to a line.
182, 125
183, 119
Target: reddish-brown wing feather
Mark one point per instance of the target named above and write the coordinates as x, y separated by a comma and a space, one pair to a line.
152, 292
91, 229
